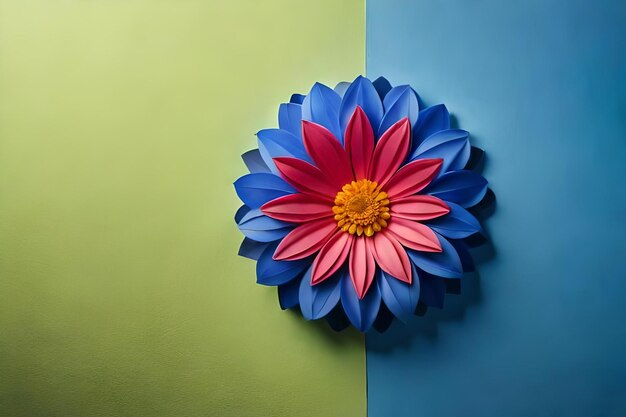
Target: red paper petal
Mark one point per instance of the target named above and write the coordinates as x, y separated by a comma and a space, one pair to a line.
305, 177
362, 265
359, 139
390, 152
414, 235
305, 240
297, 208
332, 255
419, 207
413, 177
391, 256
327, 153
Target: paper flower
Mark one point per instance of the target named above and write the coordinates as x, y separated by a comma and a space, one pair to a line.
356, 206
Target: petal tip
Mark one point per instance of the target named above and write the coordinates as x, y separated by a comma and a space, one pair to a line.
406, 276
316, 277
265, 206
278, 255
436, 246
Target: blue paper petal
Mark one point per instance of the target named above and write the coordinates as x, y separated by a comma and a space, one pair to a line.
257, 226
242, 211
457, 224
254, 161
316, 301
278, 142
464, 254
399, 297
290, 118
361, 93
466, 188
297, 98
321, 106
251, 249
271, 272
431, 120
451, 145
257, 189
400, 102
341, 88
361, 313
288, 294
432, 290
446, 264
382, 86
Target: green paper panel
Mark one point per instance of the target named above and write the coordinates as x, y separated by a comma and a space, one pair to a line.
121, 126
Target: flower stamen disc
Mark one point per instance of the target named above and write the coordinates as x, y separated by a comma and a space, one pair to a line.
361, 208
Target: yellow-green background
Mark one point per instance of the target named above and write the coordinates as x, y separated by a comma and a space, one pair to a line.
121, 126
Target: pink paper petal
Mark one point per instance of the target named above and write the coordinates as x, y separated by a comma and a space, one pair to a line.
390, 152
297, 208
332, 255
391, 256
305, 177
305, 240
362, 265
419, 207
414, 235
359, 139
327, 153
413, 177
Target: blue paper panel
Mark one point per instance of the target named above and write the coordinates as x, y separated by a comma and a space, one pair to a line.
541, 87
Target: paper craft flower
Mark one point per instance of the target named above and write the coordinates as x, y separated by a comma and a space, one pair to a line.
356, 207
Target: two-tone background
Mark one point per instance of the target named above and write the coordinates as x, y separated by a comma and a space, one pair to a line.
121, 126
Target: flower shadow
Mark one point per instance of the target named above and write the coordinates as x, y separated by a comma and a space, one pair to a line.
427, 320
468, 294
344, 337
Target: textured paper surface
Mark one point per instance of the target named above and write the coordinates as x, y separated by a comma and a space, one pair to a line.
121, 129
540, 86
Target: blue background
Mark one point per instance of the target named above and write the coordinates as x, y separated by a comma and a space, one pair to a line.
541, 87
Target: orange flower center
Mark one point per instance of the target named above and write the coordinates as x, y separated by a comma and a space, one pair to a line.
361, 208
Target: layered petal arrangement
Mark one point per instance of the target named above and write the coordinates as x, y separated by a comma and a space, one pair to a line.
356, 207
